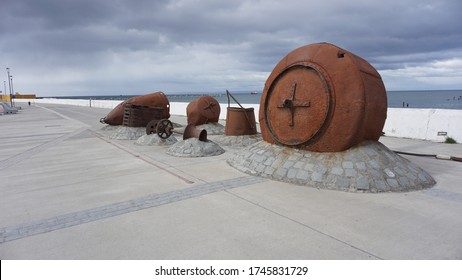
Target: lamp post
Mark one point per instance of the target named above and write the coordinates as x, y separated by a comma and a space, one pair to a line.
9, 84
12, 92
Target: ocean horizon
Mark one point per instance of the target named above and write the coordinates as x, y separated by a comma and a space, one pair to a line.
436, 99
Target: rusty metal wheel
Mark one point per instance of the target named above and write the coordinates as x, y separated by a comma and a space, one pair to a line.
151, 127
164, 128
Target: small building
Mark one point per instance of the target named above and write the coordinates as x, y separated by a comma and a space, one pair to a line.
24, 96
6, 97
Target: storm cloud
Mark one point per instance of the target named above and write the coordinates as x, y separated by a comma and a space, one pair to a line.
82, 47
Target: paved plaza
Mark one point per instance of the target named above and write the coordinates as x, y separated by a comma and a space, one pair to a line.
69, 191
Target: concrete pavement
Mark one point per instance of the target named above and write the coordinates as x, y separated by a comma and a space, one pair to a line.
70, 192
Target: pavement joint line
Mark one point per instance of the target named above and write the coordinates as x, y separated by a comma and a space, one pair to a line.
29, 135
65, 117
141, 157
37, 149
120, 208
304, 225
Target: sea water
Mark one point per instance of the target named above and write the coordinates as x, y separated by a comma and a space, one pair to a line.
437, 99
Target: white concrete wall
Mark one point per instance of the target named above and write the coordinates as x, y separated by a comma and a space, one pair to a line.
401, 122
424, 123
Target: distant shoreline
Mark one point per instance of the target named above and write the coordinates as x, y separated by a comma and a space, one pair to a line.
425, 99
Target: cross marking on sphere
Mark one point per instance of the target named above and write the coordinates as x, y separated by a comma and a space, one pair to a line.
292, 105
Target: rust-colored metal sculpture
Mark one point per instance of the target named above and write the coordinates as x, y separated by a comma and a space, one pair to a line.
191, 131
239, 120
202, 110
164, 129
140, 116
156, 99
322, 98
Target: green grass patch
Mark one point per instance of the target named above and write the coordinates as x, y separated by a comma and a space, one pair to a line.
450, 140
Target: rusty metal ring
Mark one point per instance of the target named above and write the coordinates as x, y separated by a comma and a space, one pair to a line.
164, 128
289, 103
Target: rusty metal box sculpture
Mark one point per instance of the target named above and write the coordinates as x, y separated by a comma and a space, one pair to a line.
322, 98
140, 116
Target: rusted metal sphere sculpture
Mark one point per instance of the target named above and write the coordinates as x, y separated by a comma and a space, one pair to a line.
322, 98
202, 110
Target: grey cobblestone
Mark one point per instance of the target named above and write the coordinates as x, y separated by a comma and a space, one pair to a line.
281, 172
362, 183
399, 170
368, 167
269, 161
347, 164
128, 133
360, 165
330, 180
393, 183
302, 174
192, 147
389, 173
404, 181
155, 140
350, 172
288, 164
374, 164
309, 167
381, 185
260, 168
316, 176
292, 173
337, 171
321, 168
342, 183
269, 170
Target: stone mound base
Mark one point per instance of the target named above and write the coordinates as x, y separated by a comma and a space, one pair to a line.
192, 147
110, 127
367, 167
128, 133
236, 141
155, 140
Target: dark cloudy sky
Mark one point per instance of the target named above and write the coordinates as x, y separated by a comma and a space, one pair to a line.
87, 47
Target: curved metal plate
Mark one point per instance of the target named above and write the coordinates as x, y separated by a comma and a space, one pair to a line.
297, 105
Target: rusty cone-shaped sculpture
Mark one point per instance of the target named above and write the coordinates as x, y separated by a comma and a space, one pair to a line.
322, 98
205, 109
156, 99
191, 131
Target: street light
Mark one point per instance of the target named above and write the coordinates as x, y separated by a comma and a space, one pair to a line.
12, 91
9, 84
